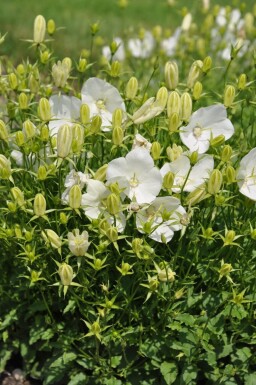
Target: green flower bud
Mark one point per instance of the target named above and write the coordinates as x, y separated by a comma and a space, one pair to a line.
186, 106
53, 238
193, 158
225, 269
13, 81
173, 103
66, 274
230, 174
117, 117
41, 173
39, 205
113, 204
156, 150
131, 88
51, 27
168, 180
115, 69
33, 83
19, 138
174, 122
215, 182
18, 196
161, 97
5, 167
125, 268
171, 74
44, 109
23, 101
82, 65
29, 129
11, 207
45, 56
84, 113
194, 73
39, 29
4, 135
44, 133
78, 138
196, 196
229, 95
64, 141
94, 28
153, 284
95, 124
117, 136
112, 234
75, 196
101, 173
60, 72
207, 64
197, 90
241, 84
137, 245
226, 153
63, 218
217, 141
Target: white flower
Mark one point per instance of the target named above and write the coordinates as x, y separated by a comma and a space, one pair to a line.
169, 44
205, 124
140, 141
142, 48
103, 99
72, 179
78, 243
186, 22
136, 175
246, 175
65, 110
120, 52
187, 177
164, 215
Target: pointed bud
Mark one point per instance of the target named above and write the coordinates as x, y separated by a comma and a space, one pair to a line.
39, 29
173, 103
230, 174
225, 269
113, 203
196, 196
85, 114
168, 180
171, 74
117, 117
4, 135
194, 73
66, 274
197, 90
63, 218
18, 196
131, 88
29, 129
217, 141
82, 65
44, 109
117, 136
75, 196
39, 205
241, 84
156, 150
95, 124
41, 173
51, 27
229, 95
101, 173
64, 141
115, 69
78, 138
44, 133
53, 238
226, 153
112, 234
5, 167
23, 101
137, 245
161, 97
193, 158
174, 122
19, 138
207, 64
215, 182
13, 81
186, 106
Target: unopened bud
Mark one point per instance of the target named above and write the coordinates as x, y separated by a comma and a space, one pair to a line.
29, 129
241, 84
168, 180
113, 204
44, 133
115, 69
112, 234
186, 106
44, 109
196, 196
13, 81
131, 88
156, 150
173, 103
78, 138
217, 141
194, 73
41, 173
161, 97
23, 101
100, 174
193, 158
53, 238
45, 56
96, 124
75, 196
117, 117
230, 174
82, 65
117, 135
64, 141
84, 113
66, 274
207, 64
137, 245
39, 29
225, 269
51, 27
18, 196
94, 28
197, 90
5, 167
229, 95
215, 182
171, 74
4, 135
19, 138
39, 205
226, 153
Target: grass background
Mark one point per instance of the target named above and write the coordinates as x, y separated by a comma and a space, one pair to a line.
17, 17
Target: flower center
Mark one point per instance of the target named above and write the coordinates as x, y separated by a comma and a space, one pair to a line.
197, 132
101, 104
134, 181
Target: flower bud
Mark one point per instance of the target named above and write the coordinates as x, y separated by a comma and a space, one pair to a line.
23, 101
207, 64
253, 234
78, 138
230, 174
137, 245
94, 28
60, 73
84, 113
115, 69
113, 204
51, 27
19, 138
52, 237
226, 153
100, 174
66, 274
156, 150
39, 205
4, 135
18, 196
117, 117
41, 173
64, 141
44, 109
44, 133
82, 65
171, 74
33, 83
161, 97
174, 152
112, 234
194, 73
225, 269
13, 81
29, 129
197, 90
168, 180
45, 56
95, 124
193, 158
173, 103
166, 274
241, 84
153, 283
131, 88
196, 196
39, 29
215, 182
229, 95
174, 122
117, 136
75, 196
125, 268
5, 167
217, 141
186, 106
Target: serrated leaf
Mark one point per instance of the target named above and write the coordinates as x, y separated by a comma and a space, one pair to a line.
189, 374
78, 379
169, 372
250, 379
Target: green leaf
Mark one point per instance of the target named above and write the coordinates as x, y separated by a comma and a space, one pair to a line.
185, 318
169, 372
250, 379
115, 361
188, 375
77, 379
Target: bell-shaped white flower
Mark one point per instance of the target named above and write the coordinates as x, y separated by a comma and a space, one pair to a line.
136, 175
246, 175
103, 99
65, 110
205, 124
186, 176
164, 215
142, 48
78, 243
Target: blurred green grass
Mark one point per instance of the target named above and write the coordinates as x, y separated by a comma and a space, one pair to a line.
76, 16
